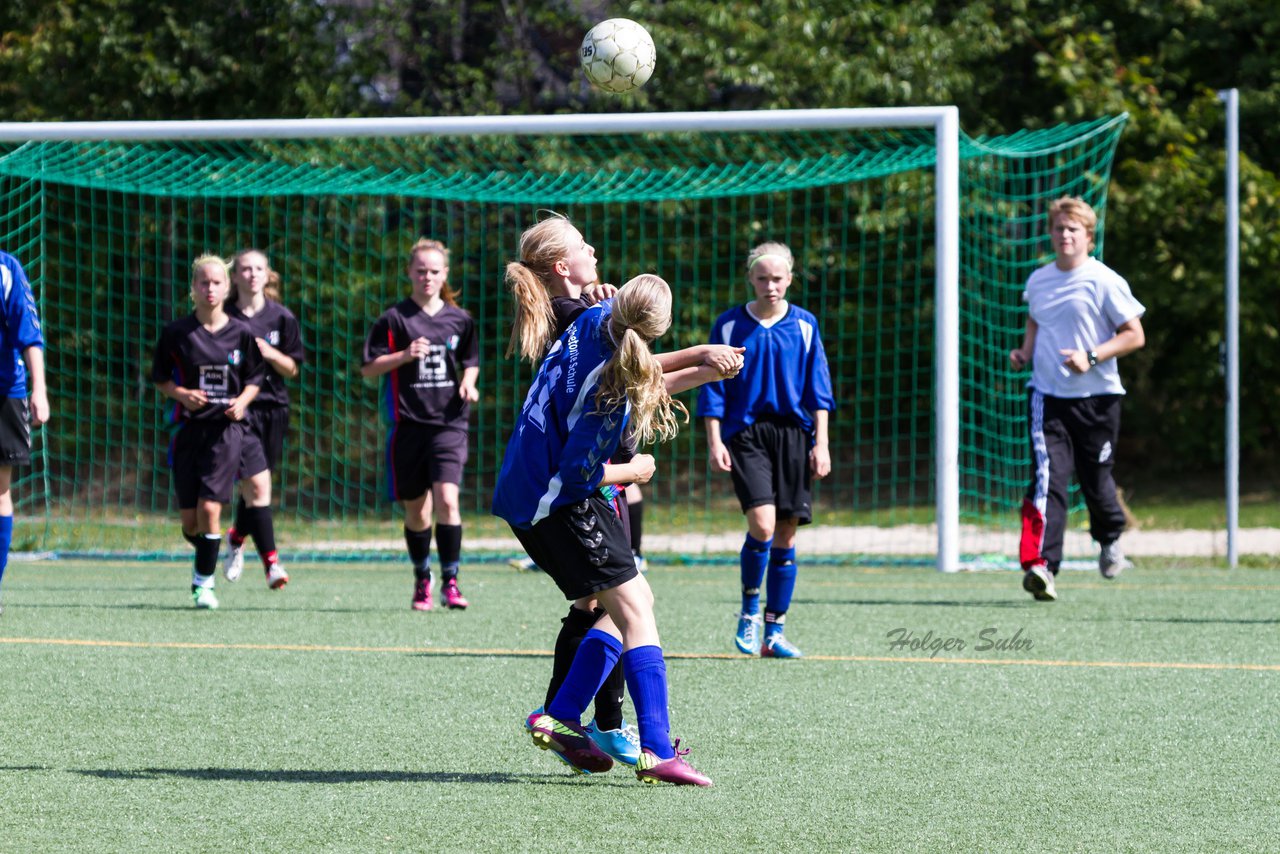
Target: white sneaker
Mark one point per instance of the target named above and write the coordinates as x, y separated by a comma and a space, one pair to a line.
233, 563
276, 576
642, 565
204, 598
1111, 560
524, 564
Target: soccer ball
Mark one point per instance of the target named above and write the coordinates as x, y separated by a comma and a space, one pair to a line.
618, 55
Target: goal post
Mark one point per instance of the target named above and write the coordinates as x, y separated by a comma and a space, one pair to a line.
873, 200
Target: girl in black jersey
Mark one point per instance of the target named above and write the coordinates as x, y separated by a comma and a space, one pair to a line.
255, 300
426, 347
209, 364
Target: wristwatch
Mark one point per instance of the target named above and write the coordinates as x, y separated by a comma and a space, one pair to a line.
1093, 358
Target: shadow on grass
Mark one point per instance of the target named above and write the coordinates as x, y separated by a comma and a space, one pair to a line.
1207, 621
255, 775
929, 603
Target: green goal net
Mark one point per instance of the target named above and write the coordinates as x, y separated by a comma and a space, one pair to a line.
107, 231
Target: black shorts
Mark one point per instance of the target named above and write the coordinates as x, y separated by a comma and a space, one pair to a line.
207, 457
582, 546
771, 466
270, 424
15, 432
419, 455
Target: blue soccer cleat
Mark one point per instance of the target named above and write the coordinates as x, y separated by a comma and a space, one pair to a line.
623, 743
748, 637
777, 646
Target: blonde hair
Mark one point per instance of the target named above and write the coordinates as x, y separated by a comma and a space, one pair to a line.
641, 313
533, 322
1073, 207
772, 249
426, 244
272, 289
207, 260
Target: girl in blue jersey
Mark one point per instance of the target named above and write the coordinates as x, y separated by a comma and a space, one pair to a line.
555, 490
210, 365
255, 300
551, 285
22, 344
768, 429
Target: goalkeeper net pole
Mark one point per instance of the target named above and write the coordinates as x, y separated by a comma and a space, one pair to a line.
928, 429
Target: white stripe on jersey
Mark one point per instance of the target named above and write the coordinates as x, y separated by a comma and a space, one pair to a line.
554, 487
726, 332
7, 278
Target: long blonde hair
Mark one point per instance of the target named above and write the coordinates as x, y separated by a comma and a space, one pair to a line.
533, 321
641, 313
425, 244
272, 289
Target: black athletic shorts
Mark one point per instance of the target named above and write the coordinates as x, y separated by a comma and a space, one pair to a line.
15, 432
207, 457
582, 546
270, 424
771, 466
419, 455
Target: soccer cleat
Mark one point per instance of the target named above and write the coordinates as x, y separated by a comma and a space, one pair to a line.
569, 740
421, 594
1111, 560
748, 637
777, 646
276, 576
524, 564
676, 770
1038, 581
528, 727
233, 563
623, 743
642, 565
453, 597
204, 598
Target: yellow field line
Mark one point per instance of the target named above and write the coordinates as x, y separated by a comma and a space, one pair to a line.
540, 653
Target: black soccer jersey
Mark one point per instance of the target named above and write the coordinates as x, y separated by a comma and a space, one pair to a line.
565, 310
218, 363
425, 391
280, 328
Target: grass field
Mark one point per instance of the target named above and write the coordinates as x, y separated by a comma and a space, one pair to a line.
1137, 715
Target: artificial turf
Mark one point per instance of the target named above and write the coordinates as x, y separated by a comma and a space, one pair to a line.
1133, 715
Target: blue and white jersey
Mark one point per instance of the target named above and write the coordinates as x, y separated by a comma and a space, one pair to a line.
784, 372
20, 326
557, 452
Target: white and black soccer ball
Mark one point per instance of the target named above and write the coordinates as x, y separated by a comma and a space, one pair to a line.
618, 55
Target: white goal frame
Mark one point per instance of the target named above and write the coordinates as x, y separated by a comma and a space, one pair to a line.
945, 122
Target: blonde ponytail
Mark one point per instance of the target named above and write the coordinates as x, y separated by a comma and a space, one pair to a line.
641, 313
542, 246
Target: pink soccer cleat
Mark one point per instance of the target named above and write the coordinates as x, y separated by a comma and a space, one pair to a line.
453, 597
676, 770
421, 594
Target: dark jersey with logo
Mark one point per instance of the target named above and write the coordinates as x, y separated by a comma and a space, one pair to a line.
280, 328
218, 363
425, 390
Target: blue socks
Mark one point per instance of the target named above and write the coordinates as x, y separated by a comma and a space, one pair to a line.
780, 586
6, 539
596, 656
646, 672
753, 558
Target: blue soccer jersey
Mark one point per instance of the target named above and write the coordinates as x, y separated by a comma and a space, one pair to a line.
20, 326
784, 373
560, 444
